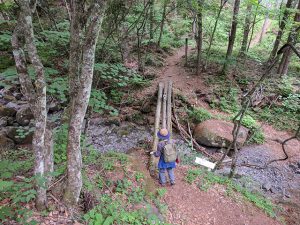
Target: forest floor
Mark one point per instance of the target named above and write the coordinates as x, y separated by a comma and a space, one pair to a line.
212, 207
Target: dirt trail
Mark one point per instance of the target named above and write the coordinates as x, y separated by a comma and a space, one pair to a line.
189, 205
183, 81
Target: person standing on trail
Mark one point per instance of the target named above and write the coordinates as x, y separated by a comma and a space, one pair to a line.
167, 152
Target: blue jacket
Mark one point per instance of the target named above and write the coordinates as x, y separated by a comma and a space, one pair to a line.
159, 153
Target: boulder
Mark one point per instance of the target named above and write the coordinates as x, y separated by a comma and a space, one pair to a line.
217, 133
24, 115
20, 135
3, 121
6, 111
5, 142
13, 105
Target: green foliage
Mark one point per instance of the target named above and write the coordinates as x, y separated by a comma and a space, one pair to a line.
292, 103
52, 44
98, 102
139, 176
111, 211
16, 192
199, 115
229, 103
286, 88
117, 75
60, 144
161, 192
249, 122
192, 175
5, 38
257, 136
58, 88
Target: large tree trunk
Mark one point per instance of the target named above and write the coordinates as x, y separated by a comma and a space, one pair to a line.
199, 35
36, 95
232, 34
246, 30
293, 38
281, 29
81, 98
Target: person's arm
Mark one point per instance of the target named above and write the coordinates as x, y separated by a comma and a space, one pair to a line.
158, 151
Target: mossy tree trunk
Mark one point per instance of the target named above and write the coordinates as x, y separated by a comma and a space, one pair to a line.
85, 27
36, 94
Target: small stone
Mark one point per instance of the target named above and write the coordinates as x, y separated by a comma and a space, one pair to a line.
267, 186
297, 171
6, 111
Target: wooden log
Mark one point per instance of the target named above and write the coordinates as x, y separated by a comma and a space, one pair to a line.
164, 106
152, 166
157, 115
169, 108
186, 51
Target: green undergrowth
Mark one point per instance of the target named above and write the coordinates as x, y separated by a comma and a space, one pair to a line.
119, 191
205, 180
16, 185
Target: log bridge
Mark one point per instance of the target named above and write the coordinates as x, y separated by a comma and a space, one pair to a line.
166, 117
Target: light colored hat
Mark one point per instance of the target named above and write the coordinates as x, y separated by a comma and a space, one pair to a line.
163, 134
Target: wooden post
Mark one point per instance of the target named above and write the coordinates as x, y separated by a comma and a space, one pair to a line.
186, 51
152, 166
164, 106
169, 108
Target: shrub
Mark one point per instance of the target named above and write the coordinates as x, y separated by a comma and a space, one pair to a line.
199, 115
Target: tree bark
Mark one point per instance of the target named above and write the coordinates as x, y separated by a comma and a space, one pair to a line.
292, 39
246, 30
281, 30
92, 26
199, 36
164, 106
232, 34
253, 25
156, 127
151, 20
162, 23
222, 4
36, 95
169, 108
49, 160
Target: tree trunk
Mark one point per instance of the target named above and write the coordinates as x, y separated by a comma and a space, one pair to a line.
246, 30
81, 98
49, 160
199, 36
281, 29
36, 95
156, 128
293, 38
264, 27
162, 23
169, 108
151, 20
222, 4
253, 25
164, 106
232, 34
